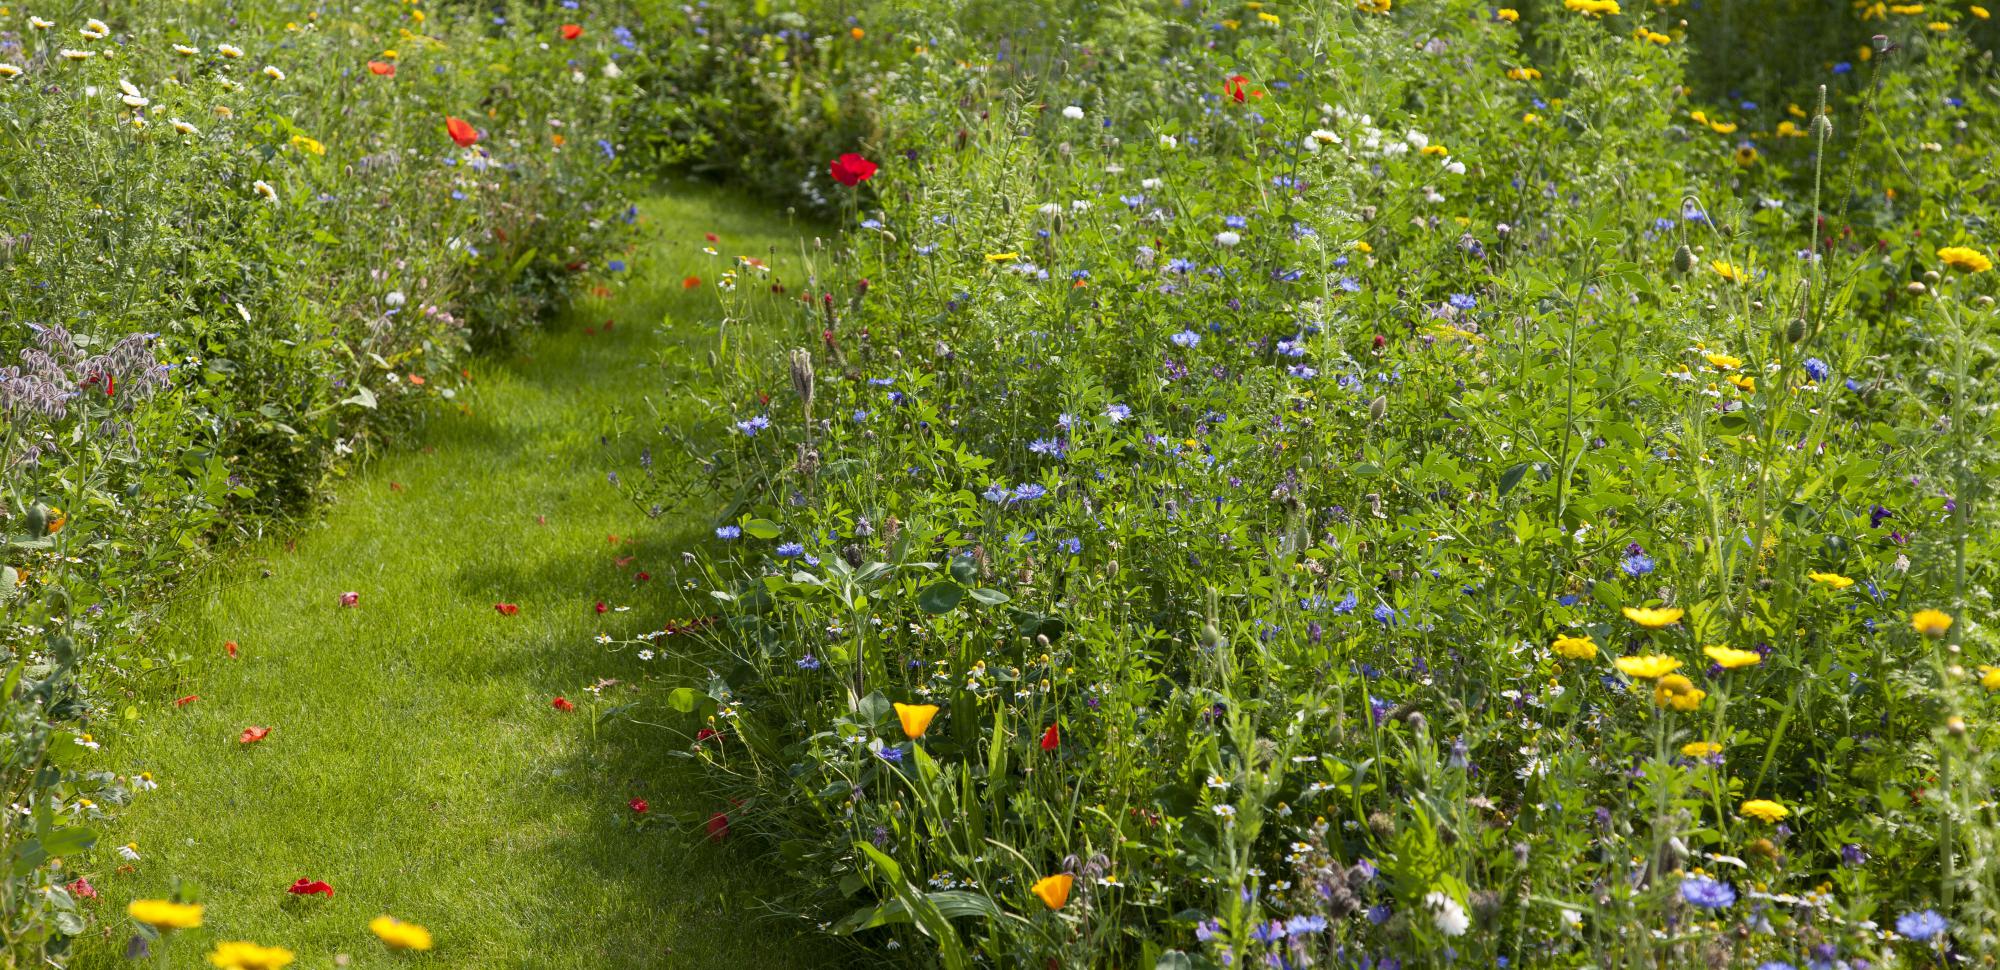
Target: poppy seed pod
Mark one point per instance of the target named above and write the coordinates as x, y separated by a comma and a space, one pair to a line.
1823, 126
1796, 330
1378, 407
1683, 259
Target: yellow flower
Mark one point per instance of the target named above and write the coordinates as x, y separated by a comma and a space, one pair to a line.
1938, 26
916, 718
1730, 658
1372, 6
1653, 618
1053, 891
164, 914
1989, 676
1965, 259
9, 71
1764, 810
1655, 37
1835, 580
1723, 127
186, 51
1907, 9
240, 955
229, 50
1269, 18
1362, 247
400, 935
273, 73
1508, 14
57, 519
304, 143
1646, 667
1795, 111
1701, 749
1931, 623
1001, 257
1434, 150
1677, 692
1592, 8
1747, 385
1575, 648
1746, 155
1978, 11
1728, 271
1787, 129
1523, 74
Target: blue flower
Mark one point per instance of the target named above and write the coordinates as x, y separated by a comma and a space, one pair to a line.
1817, 369
1187, 338
1636, 564
1464, 301
790, 549
1046, 446
616, 266
808, 662
752, 426
1922, 925
1117, 412
1072, 545
1268, 932
893, 756
1707, 893
728, 532
1301, 925
1775, 965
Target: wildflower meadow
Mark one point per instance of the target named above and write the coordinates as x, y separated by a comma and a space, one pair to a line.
1149, 484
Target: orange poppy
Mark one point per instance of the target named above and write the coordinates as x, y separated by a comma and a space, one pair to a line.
461, 132
381, 68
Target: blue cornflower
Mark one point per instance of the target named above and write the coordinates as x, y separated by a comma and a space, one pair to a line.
1030, 492
808, 662
1775, 965
1636, 564
1464, 301
1817, 369
607, 148
860, 416
728, 532
1187, 338
1707, 893
1347, 604
1922, 925
1235, 222
790, 549
1180, 265
1046, 446
616, 266
1071, 545
1301, 925
1384, 613
1268, 932
1842, 68
1117, 412
893, 756
750, 427
999, 493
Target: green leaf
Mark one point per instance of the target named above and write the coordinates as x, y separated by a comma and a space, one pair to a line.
762, 529
991, 597
684, 699
941, 597
1512, 477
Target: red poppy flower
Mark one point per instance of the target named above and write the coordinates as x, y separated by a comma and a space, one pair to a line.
1051, 738
82, 889
464, 134
1238, 87
562, 704
639, 805
642, 577
507, 609
690, 283
718, 827
704, 734
711, 237
185, 701
851, 169
601, 607
572, 31
310, 887
381, 68
417, 379
350, 599
230, 645
252, 735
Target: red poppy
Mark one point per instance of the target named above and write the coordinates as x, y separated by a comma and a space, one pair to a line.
350, 599
690, 283
1238, 87
252, 735
82, 889
601, 607
639, 805
395, 486
851, 169
711, 237
704, 734
506, 609
417, 379
562, 704
464, 134
230, 645
185, 701
310, 887
718, 827
572, 31
642, 577
381, 68
1051, 738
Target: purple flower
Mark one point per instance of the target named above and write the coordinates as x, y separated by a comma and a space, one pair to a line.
1922, 925
1707, 893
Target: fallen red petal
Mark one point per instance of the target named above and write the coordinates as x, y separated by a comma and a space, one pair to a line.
252, 735
310, 887
185, 701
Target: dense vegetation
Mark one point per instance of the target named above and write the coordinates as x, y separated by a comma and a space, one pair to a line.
1348, 485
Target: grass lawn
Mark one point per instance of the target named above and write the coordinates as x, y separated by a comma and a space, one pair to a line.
415, 761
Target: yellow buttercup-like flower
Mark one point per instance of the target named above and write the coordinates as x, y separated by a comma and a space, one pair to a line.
307, 144
1592, 8
400, 935
1508, 14
1730, 658
1728, 271
1646, 667
1965, 259
1834, 580
1701, 749
1764, 810
1677, 692
1989, 676
241, 955
1001, 257
1575, 648
916, 718
165, 914
1653, 618
1053, 891
1931, 623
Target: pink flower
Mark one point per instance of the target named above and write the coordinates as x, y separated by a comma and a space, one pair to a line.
350, 599
639, 805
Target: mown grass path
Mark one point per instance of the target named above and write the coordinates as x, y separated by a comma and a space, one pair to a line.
415, 762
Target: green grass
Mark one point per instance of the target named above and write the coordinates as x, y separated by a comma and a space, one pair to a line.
415, 761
